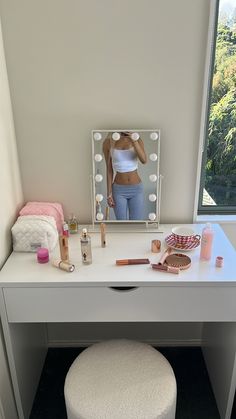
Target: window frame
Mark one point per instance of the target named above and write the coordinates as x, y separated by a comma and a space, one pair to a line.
200, 209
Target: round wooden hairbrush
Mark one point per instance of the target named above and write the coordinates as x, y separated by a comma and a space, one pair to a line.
178, 260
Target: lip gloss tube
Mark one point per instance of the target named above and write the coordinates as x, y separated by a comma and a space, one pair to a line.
103, 234
121, 262
164, 268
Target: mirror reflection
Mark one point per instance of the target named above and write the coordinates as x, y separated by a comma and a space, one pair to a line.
126, 175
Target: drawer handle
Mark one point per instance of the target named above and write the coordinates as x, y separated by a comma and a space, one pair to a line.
123, 289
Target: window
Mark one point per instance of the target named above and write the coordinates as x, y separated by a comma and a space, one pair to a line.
218, 174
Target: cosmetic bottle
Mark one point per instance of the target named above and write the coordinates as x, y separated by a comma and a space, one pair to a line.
103, 234
73, 224
64, 248
86, 251
206, 242
65, 229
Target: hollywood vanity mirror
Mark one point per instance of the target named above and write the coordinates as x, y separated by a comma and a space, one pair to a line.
126, 182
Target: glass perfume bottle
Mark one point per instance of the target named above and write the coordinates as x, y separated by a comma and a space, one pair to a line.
86, 251
73, 224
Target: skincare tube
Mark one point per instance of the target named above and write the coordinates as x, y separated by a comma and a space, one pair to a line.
65, 266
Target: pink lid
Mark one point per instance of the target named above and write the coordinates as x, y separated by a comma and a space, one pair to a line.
42, 255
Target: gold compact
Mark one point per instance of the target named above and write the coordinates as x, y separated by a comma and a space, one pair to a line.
178, 260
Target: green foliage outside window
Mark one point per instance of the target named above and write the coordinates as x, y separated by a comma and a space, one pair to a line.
220, 170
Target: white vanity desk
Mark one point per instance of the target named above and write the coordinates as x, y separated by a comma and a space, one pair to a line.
33, 294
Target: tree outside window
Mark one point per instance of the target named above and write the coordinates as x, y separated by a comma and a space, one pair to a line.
218, 185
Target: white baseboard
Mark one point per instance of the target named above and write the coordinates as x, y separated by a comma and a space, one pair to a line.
161, 342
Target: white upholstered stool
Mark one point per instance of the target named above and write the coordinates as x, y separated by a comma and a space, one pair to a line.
120, 379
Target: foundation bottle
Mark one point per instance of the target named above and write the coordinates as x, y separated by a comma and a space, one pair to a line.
86, 251
64, 249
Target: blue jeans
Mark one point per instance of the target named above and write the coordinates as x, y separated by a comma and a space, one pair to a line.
129, 201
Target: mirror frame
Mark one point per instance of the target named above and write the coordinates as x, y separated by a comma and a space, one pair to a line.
95, 165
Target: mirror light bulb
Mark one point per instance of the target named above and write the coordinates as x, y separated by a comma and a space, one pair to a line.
98, 178
153, 178
99, 216
152, 216
154, 136
153, 157
97, 136
98, 157
135, 136
116, 136
152, 197
99, 197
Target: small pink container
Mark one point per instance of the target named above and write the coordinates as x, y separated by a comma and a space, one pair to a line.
42, 255
219, 261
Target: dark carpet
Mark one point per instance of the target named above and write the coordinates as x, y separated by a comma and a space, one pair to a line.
195, 399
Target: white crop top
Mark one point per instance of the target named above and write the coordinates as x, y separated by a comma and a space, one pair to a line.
124, 160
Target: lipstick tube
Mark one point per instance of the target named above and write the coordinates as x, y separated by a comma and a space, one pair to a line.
164, 268
122, 262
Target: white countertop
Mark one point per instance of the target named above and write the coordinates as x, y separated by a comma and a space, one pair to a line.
23, 270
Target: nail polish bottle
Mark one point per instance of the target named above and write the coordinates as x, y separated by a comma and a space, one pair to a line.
86, 251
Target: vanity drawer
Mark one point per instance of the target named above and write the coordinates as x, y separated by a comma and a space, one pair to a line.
102, 304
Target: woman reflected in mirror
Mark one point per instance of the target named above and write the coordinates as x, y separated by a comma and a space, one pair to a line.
125, 192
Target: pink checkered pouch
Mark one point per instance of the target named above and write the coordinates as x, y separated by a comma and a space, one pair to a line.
53, 209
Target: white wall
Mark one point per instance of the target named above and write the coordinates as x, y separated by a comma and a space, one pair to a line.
75, 66
230, 231
78, 65
11, 199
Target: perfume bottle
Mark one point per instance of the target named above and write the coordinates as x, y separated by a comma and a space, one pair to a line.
73, 224
86, 251
206, 242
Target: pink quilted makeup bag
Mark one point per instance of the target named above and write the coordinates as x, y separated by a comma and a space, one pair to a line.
53, 209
